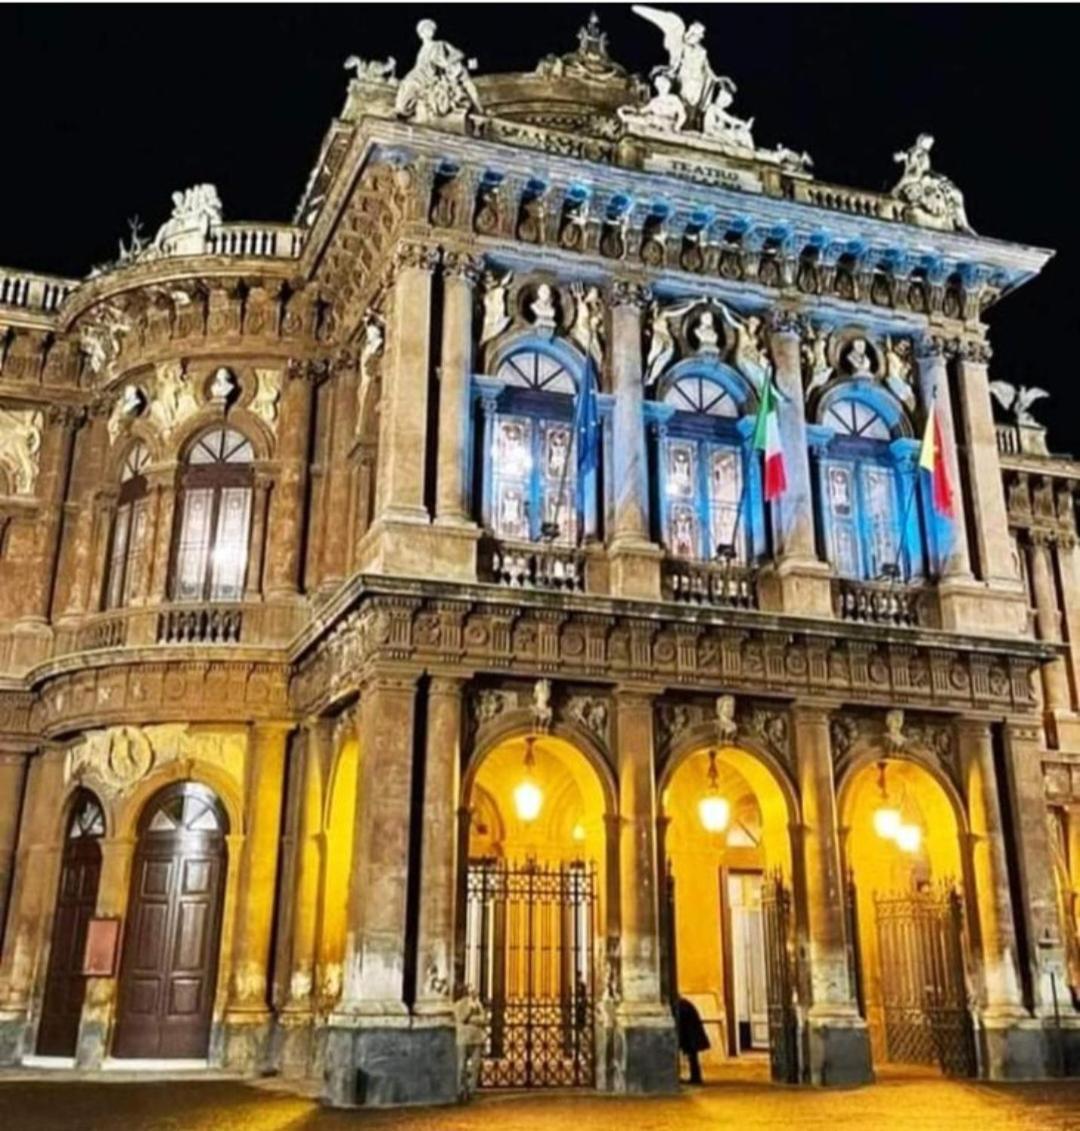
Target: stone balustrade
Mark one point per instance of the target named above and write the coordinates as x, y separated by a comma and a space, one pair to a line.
200, 624
528, 565
875, 205
880, 602
272, 241
39, 293
726, 584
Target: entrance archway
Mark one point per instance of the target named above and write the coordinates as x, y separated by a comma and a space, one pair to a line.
535, 851
902, 847
76, 901
168, 971
728, 911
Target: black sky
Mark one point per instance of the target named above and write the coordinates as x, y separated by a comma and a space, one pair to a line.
108, 109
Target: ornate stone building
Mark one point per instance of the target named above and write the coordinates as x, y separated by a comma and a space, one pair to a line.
404, 681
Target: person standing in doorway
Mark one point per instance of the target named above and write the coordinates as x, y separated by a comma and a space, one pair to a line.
693, 1039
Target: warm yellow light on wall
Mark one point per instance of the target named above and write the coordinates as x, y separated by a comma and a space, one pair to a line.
528, 798
887, 814
714, 810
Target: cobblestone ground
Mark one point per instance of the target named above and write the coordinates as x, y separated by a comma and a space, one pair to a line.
225, 1105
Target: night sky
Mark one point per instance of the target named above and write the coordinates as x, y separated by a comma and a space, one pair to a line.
108, 109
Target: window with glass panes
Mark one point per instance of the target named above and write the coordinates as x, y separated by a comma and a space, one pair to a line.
532, 461
129, 550
702, 468
861, 493
215, 519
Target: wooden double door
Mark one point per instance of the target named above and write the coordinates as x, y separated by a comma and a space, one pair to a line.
168, 971
76, 902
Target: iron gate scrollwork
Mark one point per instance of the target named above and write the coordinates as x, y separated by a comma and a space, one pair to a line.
780, 980
530, 935
923, 985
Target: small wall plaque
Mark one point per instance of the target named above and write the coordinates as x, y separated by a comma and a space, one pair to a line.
102, 944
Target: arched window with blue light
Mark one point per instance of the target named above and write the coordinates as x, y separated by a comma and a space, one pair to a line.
530, 489
708, 496
868, 490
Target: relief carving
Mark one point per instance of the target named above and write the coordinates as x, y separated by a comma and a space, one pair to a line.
20, 447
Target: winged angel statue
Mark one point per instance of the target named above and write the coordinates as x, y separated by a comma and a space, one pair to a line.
1017, 399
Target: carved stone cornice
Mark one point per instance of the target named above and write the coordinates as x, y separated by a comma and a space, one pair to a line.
533, 637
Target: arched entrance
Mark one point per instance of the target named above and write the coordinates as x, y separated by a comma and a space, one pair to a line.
76, 901
729, 930
903, 855
168, 971
532, 942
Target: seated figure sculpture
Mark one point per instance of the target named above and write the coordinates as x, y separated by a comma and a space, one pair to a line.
931, 199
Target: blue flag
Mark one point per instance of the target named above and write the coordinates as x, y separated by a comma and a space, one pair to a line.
586, 435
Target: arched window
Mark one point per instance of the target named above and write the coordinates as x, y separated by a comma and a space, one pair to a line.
868, 490
533, 467
129, 550
87, 818
707, 481
215, 518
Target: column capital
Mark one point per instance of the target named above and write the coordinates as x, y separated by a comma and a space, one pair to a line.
974, 351
975, 729
451, 686
463, 266
783, 321
930, 347
820, 713
628, 292
413, 255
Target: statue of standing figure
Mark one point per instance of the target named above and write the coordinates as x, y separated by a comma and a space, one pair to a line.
439, 82
931, 198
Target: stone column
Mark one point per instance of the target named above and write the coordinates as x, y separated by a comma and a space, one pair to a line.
162, 488
460, 273
438, 850
57, 441
403, 435
285, 541
934, 389
12, 779
839, 1046
1048, 623
803, 584
295, 1019
635, 561
335, 552
991, 531
248, 1016
376, 1053
646, 1055
1039, 906
89, 471
260, 496
33, 895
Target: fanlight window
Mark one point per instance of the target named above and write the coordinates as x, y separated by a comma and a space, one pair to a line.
87, 818
215, 522
129, 549
191, 809
702, 472
533, 480
864, 497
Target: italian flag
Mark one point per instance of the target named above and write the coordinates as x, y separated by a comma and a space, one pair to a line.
932, 459
767, 440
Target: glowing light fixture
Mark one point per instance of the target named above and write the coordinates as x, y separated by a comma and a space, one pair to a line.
908, 837
887, 815
714, 810
527, 795
578, 832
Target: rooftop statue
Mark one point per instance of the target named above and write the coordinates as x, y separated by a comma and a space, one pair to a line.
932, 199
439, 81
688, 61
373, 70
1017, 399
195, 211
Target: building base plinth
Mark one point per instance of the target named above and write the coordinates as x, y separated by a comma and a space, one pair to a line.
389, 1065
12, 1039
293, 1044
245, 1042
838, 1051
1013, 1049
645, 1052
635, 570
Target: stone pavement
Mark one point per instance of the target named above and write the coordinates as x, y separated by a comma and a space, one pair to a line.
897, 1101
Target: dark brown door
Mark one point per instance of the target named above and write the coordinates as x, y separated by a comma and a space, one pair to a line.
168, 971
76, 899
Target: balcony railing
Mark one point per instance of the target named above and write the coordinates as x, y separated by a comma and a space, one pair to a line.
526, 565
33, 292
727, 584
203, 624
274, 241
879, 602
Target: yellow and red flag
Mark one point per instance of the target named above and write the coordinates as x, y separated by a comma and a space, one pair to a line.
932, 459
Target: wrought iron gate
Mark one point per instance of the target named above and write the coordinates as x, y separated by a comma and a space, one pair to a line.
780, 980
530, 933
923, 987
